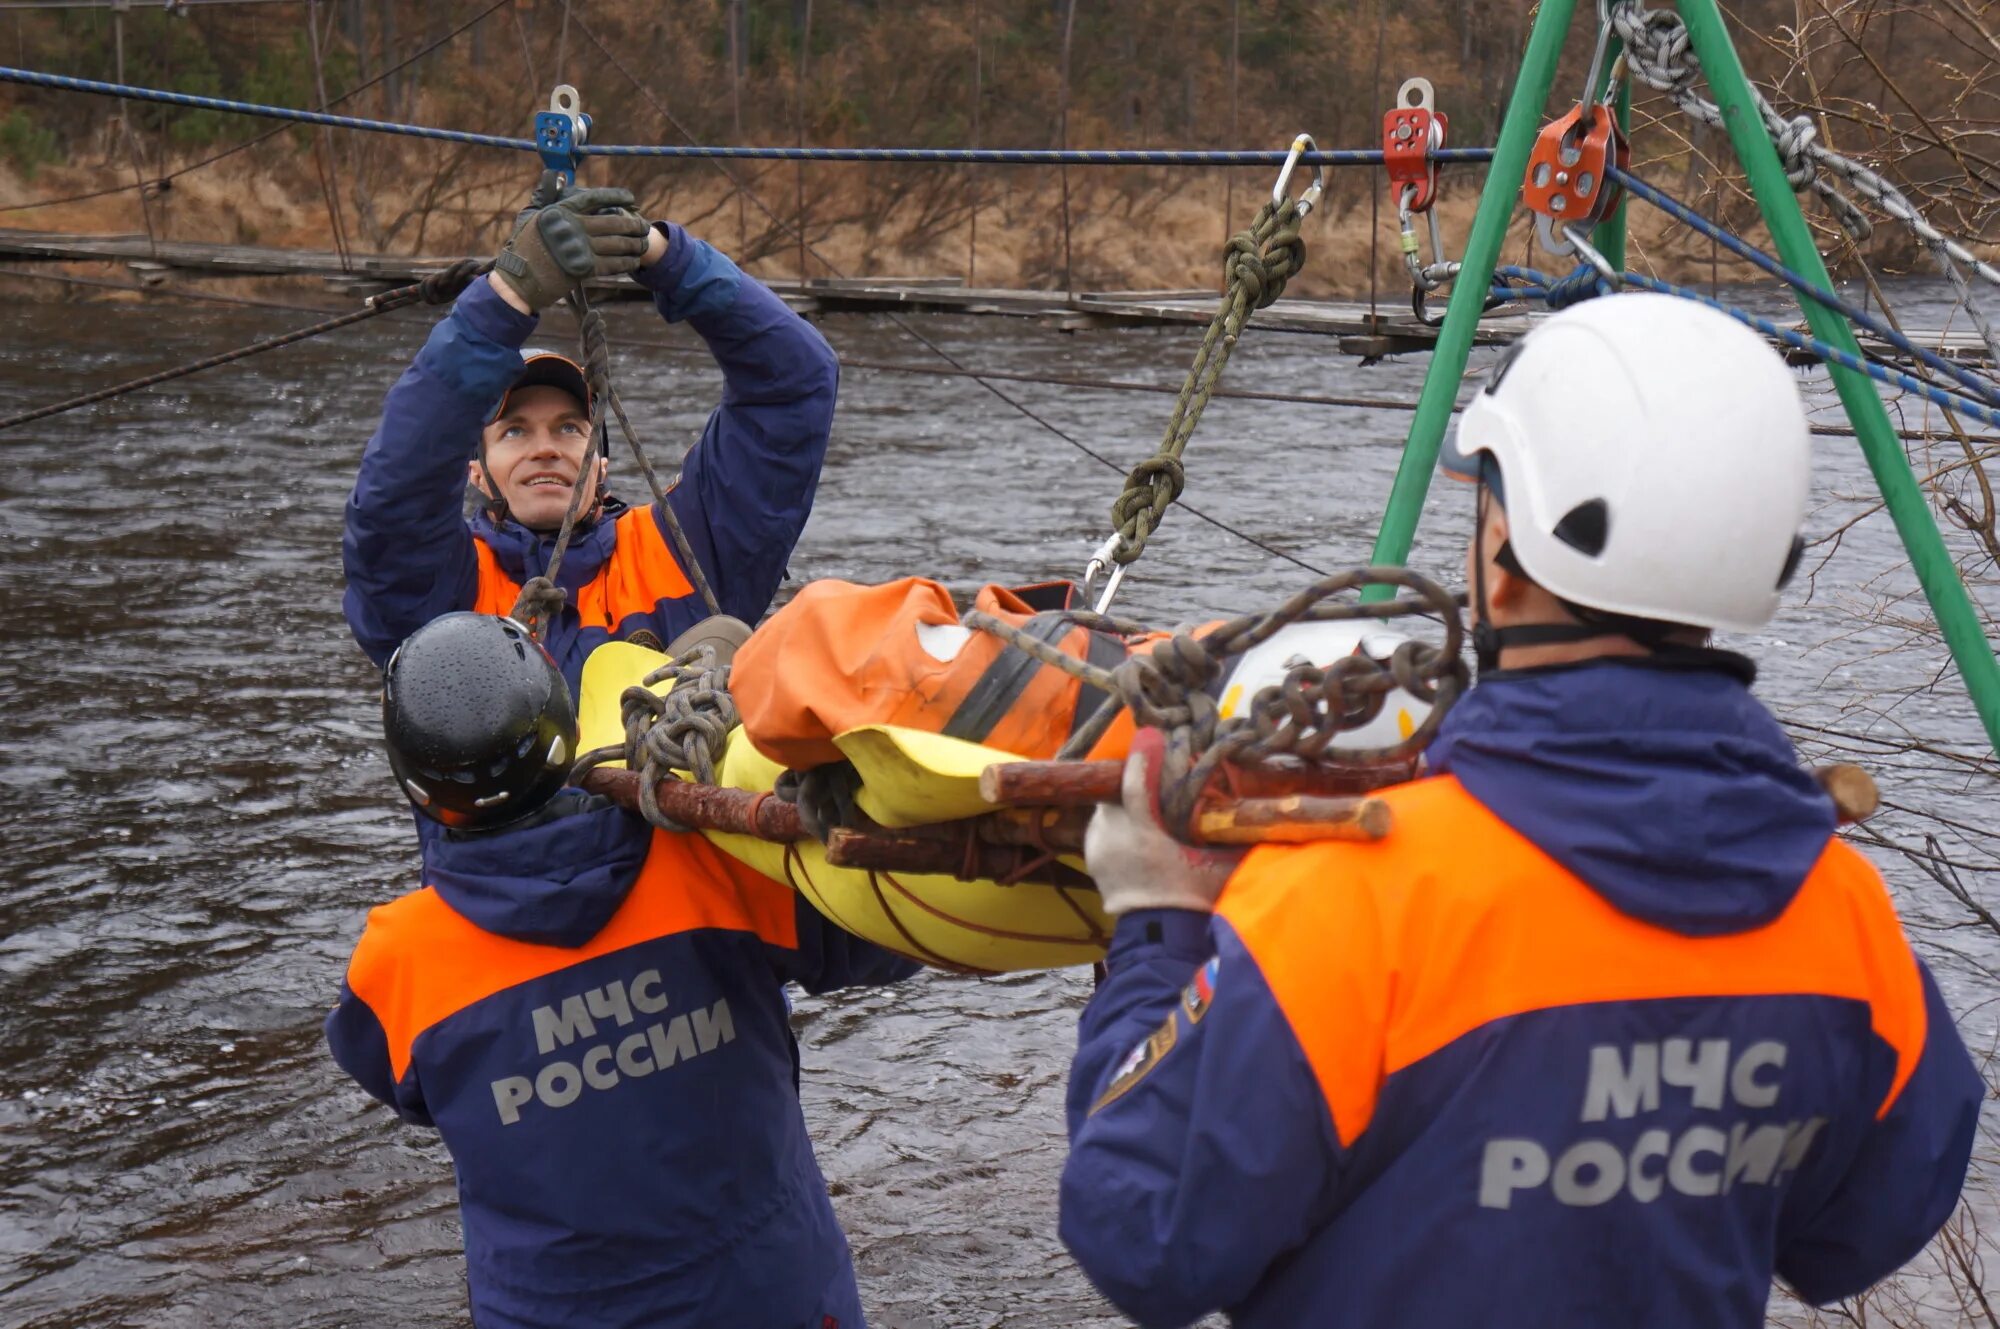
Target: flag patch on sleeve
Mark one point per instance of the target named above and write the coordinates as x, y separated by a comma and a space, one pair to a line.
1197, 995
1139, 1062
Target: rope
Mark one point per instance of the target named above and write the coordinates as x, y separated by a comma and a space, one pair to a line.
165, 181
1660, 53
1029, 156
1174, 685
980, 156
541, 599
35, 78
904, 324
1980, 387
597, 352
436, 289
685, 730
1539, 285
1256, 265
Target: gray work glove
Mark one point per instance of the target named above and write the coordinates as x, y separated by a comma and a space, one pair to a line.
1134, 861
565, 235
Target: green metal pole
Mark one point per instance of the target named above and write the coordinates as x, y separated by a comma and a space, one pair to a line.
1956, 617
1468, 293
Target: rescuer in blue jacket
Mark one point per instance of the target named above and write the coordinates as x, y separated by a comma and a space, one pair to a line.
590, 1012
472, 407
1611, 1028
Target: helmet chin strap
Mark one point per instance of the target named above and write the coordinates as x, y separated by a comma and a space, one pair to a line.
495, 502
1487, 640
491, 498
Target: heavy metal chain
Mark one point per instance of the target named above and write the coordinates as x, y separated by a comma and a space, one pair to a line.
1173, 686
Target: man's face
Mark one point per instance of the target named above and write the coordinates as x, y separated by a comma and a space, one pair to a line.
534, 453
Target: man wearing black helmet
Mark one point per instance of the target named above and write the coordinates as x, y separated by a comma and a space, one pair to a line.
476, 406
590, 1012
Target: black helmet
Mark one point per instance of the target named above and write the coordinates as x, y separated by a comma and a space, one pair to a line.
480, 726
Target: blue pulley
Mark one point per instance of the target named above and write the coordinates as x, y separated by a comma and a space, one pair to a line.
561, 131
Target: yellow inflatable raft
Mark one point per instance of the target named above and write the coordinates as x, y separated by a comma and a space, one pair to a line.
909, 777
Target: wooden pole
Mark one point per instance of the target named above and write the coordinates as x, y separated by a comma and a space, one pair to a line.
972, 173
118, 8
736, 55
1235, 75
1062, 138
799, 111
1070, 783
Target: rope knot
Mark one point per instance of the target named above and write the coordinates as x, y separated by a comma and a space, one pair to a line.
1149, 491
685, 730
538, 604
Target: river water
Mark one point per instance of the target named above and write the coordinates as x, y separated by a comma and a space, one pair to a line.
200, 815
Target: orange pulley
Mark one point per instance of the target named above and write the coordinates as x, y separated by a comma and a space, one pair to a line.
1569, 177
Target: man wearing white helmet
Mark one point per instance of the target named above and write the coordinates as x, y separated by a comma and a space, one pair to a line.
1611, 1029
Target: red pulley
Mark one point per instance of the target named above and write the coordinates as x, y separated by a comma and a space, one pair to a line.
1569, 172
1411, 131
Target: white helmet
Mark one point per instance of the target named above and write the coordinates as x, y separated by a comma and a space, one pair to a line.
1266, 664
1655, 459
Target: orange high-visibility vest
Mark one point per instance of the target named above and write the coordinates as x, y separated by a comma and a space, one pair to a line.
641, 572
1380, 954
420, 962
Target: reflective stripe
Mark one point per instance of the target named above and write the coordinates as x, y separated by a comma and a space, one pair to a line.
997, 690
419, 962
641, 572
1455, 920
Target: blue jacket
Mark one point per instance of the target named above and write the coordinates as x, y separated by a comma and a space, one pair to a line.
592, 1015
1608, 1030
745, 490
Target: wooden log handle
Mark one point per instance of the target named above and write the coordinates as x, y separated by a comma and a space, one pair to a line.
1852, 790
704, 807
891, 851
1070, 783
1294, 819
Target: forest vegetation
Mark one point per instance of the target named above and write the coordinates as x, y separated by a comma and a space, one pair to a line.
1901, 84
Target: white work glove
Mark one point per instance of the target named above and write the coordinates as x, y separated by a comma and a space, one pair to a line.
1135, 863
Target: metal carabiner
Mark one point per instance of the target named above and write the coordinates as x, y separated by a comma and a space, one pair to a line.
1100, 562
1300, 146
1424, 277
1589, 97
1589, 254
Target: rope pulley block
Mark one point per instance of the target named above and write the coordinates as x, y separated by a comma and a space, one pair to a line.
561, 131
1412, 131
1569, 180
